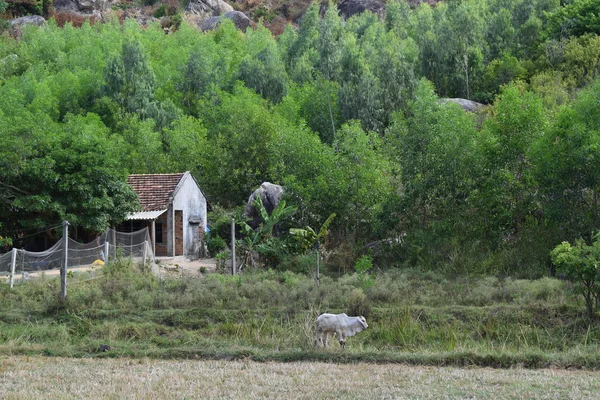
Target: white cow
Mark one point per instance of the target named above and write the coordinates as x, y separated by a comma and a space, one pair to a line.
340, 324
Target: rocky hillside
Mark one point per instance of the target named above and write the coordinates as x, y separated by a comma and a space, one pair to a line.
204, 14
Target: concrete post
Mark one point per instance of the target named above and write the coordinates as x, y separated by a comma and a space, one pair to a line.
233, 267
63, 270
13, 264
106, 250
153, 239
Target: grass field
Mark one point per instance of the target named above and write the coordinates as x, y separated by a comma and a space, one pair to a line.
415, 318
66, 378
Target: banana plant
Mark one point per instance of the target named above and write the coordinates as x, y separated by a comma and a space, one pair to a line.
260, 241
311, 239
308, 238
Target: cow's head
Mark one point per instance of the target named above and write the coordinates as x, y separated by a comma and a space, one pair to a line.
363, 322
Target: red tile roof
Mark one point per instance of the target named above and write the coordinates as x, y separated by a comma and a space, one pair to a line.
154, 190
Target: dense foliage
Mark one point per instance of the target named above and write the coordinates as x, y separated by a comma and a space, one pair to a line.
345, 114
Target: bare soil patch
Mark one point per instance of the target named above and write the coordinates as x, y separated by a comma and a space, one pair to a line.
41, 377
180, 266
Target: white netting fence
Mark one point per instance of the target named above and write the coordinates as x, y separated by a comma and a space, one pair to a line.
110, 245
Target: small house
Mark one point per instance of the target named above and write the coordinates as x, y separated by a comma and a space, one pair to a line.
173, 210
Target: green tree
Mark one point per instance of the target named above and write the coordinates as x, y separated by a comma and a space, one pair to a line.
72, 175
301, 54
311, 103
186, 146
580, 60
436, 152
129, 79
265, 73
393, 62
330, 29
567, 161
581, 263
364, 184
498, 73
3, 24
208, 66
575, 19
241, 129
508, 193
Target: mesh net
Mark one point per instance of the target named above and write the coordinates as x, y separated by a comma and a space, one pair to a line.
110, 245
5, 263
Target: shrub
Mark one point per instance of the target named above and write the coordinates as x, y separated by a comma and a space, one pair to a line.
176, 21
161, 11
301, 264
221, 259
358, 303
362, 267
542, 290
580, 264
215, 244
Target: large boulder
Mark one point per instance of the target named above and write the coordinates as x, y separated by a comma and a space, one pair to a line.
349, 8
16, 31
270, 195
240, 20
467, 105
82, 7
28, 20
208, 8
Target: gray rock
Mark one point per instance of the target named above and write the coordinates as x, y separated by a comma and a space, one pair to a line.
141, 18
349, 8
467, 105
240, 20
82, 7
209, 24
208, 8
29, 20
270, 195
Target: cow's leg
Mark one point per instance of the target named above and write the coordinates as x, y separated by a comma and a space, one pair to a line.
325, 335
341, 339
318, 338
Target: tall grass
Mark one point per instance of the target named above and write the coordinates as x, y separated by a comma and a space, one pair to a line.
413, 317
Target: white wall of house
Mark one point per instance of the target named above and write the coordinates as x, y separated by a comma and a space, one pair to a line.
189, 198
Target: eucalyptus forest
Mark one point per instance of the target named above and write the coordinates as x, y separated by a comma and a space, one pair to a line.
351, 117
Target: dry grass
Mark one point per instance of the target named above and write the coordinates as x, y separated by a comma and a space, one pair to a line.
39, 377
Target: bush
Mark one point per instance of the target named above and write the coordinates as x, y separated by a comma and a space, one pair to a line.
580, 263
215, 244
221, 259
358, 303
161, 11
301, 264
362, 267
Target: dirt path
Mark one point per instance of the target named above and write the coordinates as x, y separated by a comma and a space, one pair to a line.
165, 266
173, 266
28, 377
